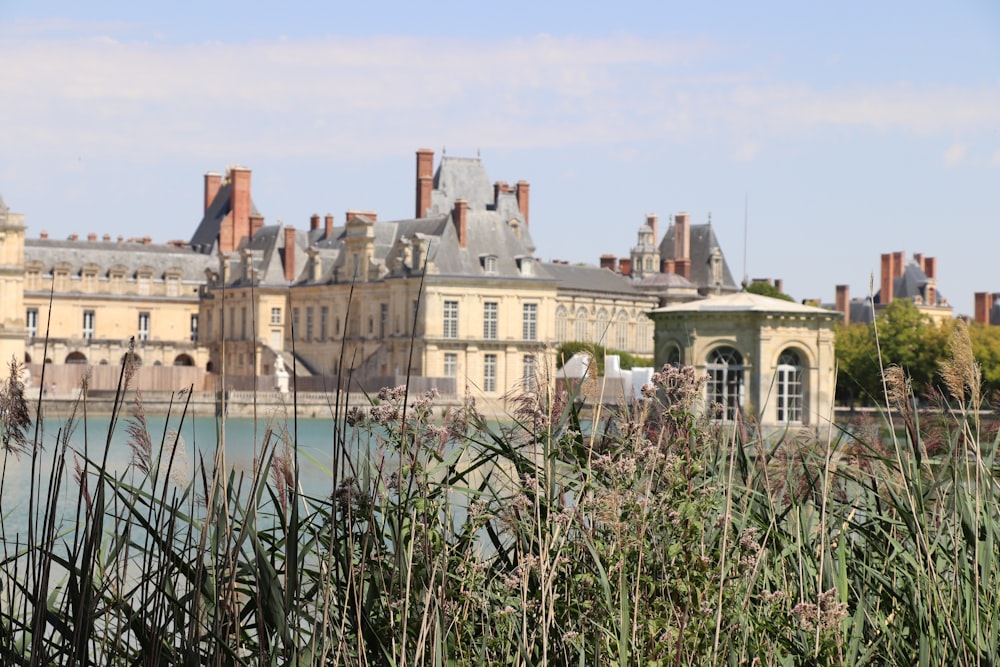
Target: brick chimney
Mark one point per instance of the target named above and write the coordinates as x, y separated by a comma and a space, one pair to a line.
918, 257
668, 266
682, 245
425, 181
236, 226
92, 236
459, 216
290, 254
256, 222
314, 222
213, 181
843, 302
888, 275
930, 267
898, 263
522, 199
625, 266
44, 235
779, 285
983, 305
609, 262
654, 222
328, 226
499, 188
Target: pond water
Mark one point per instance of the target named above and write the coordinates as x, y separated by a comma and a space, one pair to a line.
199, 438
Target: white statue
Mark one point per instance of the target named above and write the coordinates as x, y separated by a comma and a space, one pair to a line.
280, 375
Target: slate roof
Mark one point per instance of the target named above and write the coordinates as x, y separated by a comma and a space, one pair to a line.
106, 254
703, 242
461, 178
590, 278
746, 302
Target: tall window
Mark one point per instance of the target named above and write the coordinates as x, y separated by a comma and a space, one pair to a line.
324, 314
789, 387
243, 323
295, 323
622, 341
143, 326
489, 373
529, 327
208, 324
725, 383
276, 316
581, 326
383, 319
602, 325
194, 326
451, 319
490, 309
450, 364
31, 321
309, 323
88, 324
529, 375
561, 328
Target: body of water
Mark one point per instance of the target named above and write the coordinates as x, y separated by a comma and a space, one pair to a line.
243, 440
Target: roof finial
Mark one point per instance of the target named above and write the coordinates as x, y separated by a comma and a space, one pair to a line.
444, 151
479, 154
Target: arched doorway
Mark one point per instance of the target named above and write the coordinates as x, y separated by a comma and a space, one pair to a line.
183, 360
75, 358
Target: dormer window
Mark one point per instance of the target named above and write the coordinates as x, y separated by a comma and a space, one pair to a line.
489, 263
526, 266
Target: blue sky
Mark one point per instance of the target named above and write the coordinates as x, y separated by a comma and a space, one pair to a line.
851, 128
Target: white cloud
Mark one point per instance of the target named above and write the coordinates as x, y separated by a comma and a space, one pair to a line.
365, 96
955, 155
747, 151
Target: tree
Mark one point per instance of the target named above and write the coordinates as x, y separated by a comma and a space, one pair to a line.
767, 289
902, 336
986, 349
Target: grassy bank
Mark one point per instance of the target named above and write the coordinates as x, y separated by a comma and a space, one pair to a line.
650, 538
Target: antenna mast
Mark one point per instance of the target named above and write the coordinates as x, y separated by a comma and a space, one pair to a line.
746, 226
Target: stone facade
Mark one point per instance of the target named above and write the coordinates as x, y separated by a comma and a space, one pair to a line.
770, 360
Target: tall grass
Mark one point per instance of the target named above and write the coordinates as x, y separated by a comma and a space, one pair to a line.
641, 536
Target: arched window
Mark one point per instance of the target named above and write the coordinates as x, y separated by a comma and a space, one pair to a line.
674, 355
581, 327
622, 341
76, 358
183, 360
603, 324
789, 390
562, 330
725, 383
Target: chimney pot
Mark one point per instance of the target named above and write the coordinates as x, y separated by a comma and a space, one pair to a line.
314, 221
425, 181
328, 224
106, 238
843, 302
609, 262
930, 267
73, 237
888, 274
44, 235
522, 199
213, 181
984, 306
